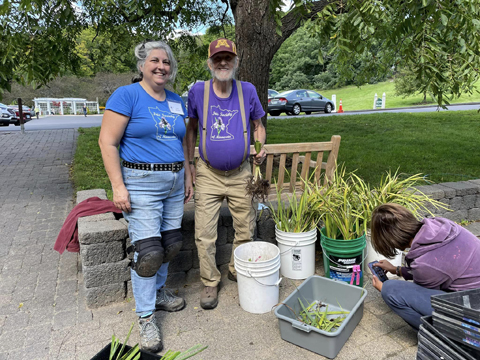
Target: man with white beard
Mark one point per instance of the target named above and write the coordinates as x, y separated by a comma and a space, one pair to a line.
224, 108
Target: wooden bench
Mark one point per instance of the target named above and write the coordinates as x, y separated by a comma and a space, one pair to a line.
326, 151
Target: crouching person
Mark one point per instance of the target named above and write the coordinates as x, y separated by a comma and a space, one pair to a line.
144, 125
443, 257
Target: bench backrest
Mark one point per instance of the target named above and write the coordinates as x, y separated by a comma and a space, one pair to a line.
327, 149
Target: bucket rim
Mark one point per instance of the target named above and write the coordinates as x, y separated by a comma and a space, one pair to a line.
277, 252
323, 236
314, 229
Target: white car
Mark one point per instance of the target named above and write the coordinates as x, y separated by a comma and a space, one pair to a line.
6, 115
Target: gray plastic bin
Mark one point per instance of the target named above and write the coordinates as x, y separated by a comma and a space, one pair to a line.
338, 295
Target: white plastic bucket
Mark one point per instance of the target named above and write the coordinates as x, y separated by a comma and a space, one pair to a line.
297, 253
257, 264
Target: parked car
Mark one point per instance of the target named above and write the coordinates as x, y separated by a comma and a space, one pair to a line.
272, 93
5, 117
27, 114
297, 101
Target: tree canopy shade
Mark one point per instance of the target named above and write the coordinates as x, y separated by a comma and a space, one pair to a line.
437, 39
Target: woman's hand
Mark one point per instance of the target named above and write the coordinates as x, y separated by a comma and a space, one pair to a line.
121, 199
377, 284
387, 266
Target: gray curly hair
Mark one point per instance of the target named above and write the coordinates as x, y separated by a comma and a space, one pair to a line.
142, 51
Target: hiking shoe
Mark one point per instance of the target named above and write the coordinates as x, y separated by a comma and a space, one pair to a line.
167, 301
150, 337
209, 297
232, 277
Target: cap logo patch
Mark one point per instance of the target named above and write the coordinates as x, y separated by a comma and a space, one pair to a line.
222, 42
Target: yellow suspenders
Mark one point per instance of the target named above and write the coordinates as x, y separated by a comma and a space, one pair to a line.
206, 98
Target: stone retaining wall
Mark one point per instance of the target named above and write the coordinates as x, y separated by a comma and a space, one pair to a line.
104, 239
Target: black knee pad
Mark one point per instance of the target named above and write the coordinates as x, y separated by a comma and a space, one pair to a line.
150, 256
172, 243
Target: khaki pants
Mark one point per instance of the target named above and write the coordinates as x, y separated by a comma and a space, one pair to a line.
211, 187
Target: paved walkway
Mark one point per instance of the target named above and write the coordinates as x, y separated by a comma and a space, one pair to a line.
42, 312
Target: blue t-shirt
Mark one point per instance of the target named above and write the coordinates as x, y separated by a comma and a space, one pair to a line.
153, 134
225, 141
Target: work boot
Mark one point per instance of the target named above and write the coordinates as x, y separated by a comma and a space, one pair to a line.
150, 337
167, 301
209, 297
231, 276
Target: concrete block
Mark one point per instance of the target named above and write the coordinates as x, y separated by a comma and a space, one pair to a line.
188, 239
129, 290
474, 228
266, 229
98, 217
456, 203
448, 191
457, 215
463, 187
188, 221
193, 275
176, 279
128, 243
123, 221
223, 254
182, 262
96, 254
230, 234
226, 216
105, 274
196, 260
221, 236
103, 295
101, 231
434, 191
469, 201
473, 214
477, 202
475, 182
85, 194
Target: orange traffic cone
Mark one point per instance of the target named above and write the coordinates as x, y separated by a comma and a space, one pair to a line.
340, 108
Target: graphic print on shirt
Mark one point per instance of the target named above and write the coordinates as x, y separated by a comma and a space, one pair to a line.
220, 122
165, 123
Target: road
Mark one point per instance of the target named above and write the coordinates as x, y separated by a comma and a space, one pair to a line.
57, 122
472, 106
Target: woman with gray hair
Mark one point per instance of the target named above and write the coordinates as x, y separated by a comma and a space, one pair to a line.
143, 151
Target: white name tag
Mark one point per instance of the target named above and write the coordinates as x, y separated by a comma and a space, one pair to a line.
175, 107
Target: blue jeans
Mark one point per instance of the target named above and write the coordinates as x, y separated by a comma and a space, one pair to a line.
156, 198
408, 300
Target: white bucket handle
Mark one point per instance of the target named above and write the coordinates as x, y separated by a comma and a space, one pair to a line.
276, 284
286, 251
328, 257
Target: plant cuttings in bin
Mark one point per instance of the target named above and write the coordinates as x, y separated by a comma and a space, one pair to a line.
134, 353
258, 187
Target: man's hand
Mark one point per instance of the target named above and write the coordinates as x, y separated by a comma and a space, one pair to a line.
260, 157
377, 284
387, 266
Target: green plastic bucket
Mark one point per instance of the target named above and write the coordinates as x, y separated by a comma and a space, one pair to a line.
339, 257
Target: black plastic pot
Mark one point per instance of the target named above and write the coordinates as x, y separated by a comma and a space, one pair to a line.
105, 353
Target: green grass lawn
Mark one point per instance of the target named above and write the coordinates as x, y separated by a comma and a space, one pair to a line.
361, 98
441, 145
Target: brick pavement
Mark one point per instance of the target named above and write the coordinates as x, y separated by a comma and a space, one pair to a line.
42, 309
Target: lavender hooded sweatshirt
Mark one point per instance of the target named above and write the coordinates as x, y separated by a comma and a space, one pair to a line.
444, 256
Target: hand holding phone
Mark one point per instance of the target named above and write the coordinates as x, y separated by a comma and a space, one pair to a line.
378, 271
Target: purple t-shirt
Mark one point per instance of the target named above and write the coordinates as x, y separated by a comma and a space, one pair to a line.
225, 140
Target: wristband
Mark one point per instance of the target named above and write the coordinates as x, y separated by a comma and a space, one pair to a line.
192, 162
399, 271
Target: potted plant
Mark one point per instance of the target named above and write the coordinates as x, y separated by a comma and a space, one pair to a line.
296, 234
118, 351
344, 206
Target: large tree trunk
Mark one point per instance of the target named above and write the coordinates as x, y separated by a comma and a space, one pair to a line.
257, 40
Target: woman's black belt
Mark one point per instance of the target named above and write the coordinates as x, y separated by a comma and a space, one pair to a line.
175, 167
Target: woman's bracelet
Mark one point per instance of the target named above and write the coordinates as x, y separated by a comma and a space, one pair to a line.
399, 271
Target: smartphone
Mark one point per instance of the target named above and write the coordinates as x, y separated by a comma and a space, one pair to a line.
378, 271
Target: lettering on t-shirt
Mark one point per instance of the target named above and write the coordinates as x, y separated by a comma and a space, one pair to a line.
164, 123
220, 122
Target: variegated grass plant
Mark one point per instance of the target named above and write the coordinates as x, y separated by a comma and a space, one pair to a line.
346, 203
294, 214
